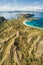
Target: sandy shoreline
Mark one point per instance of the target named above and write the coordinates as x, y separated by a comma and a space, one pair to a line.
31, 26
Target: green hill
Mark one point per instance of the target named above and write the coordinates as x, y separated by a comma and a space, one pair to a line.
20, 44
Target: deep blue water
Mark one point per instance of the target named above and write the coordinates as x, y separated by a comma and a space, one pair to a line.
14, 14
36, 23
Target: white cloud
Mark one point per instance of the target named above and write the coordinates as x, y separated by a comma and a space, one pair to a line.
4, 8
30, 8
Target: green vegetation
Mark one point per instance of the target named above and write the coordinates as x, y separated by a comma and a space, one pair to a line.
20, 44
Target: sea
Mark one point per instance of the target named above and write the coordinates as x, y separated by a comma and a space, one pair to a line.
36, 23
15, 14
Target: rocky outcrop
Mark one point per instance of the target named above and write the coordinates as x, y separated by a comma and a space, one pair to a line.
2, 19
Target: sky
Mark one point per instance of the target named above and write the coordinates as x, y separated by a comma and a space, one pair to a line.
26, 5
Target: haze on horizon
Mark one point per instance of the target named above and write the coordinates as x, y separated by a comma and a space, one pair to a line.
23, 5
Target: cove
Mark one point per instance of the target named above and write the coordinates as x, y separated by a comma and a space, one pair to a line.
35, 23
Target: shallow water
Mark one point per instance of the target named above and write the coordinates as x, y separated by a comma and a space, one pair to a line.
36, 23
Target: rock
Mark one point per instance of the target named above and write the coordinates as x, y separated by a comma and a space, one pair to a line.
2, 19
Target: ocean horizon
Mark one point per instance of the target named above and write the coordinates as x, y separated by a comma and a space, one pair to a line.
14, 14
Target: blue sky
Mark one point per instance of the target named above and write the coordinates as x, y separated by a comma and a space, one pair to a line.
33, 5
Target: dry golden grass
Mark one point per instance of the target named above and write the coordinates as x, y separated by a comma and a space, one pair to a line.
22, 47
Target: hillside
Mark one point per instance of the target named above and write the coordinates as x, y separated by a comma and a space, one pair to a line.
20, 44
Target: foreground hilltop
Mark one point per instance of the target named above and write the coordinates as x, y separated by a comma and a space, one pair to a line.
20, 44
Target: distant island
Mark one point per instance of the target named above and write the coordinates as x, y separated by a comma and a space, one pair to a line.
28, 15
2, 19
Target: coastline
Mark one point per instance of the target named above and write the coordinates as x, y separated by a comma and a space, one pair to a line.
31, 26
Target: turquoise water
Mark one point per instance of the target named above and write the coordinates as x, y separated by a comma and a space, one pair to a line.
36, 23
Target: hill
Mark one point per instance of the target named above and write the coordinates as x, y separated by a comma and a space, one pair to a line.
20, 44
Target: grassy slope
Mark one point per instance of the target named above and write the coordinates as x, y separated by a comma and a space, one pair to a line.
29, 44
